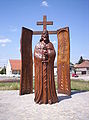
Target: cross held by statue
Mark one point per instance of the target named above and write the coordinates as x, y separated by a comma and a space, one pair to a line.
44, 23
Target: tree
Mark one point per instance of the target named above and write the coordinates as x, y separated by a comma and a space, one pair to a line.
80, 60
3, 71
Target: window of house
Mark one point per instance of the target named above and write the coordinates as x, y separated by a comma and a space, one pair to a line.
83, 72
14, 72
87, 68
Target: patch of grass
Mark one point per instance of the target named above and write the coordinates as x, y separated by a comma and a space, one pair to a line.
75, 85
33, 83
56, 84
9, 86
79, 85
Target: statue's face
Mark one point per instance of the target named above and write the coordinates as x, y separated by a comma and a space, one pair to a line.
45, 36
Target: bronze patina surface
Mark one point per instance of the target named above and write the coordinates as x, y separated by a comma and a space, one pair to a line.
44, 55
26, 80
63, 61
40, 32
45, 23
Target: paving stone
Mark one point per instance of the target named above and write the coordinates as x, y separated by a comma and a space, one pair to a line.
15, 107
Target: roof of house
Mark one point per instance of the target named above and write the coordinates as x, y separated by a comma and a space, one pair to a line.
15, 64
84, 64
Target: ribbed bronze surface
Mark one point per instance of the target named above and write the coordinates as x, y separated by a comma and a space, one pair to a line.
44, 55
26, 81
40, 32
63, 61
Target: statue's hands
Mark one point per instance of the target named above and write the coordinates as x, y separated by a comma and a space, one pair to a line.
45, 54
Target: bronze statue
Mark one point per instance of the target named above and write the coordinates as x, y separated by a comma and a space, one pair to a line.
44, 56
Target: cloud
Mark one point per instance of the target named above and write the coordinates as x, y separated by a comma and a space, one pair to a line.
54, 42
4, 41
44, 3
3, 45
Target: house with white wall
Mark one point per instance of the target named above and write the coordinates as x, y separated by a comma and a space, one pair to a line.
83, 68
13, 67
71, 68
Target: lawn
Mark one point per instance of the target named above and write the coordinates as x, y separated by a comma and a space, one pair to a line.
10, 86
75, 85
79, 85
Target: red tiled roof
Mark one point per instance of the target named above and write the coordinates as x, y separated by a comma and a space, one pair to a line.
84, 64
15, 64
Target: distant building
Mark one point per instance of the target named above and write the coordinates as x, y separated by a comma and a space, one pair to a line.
71, 68
13, 67
82, 68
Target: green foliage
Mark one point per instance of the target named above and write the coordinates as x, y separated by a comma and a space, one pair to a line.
71, 63
3, 71
80, 60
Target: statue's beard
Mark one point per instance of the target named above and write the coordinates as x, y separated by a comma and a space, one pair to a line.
46, 41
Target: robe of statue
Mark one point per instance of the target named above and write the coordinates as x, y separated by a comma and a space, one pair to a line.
44, 56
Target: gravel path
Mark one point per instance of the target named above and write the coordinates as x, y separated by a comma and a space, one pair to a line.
15, 107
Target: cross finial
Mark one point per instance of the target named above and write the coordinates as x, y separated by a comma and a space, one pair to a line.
45, 23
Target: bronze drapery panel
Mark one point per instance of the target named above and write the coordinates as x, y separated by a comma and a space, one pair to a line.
63, 61
26, 80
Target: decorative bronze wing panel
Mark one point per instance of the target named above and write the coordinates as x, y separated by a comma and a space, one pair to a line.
26, 81
63, 61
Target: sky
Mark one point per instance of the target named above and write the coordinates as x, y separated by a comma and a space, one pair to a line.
15, 14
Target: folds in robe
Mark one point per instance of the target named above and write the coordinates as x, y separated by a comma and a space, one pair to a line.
45, 91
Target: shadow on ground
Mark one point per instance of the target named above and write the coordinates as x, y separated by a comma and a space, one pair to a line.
63, 97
